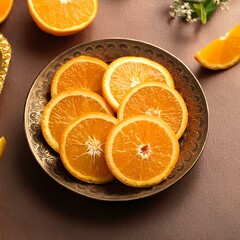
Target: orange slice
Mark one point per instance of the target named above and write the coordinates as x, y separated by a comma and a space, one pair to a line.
82, 147
156, 99
141, 151
126, 72
82, 72
6, 6
63, 17
3, 144
221, 53
64, 108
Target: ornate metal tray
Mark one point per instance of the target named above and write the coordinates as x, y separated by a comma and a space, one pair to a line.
192, 142
5, 57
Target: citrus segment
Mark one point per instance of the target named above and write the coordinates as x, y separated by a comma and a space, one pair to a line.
221, 53
63, 17
141, 151
82, 72
3, 144
156, 99
64, 108
126, 72
82, 147
6, 6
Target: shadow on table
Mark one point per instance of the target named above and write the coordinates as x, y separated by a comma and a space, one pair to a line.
44, 45
71, 206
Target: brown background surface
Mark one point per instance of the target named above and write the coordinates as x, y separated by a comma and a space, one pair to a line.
203, 205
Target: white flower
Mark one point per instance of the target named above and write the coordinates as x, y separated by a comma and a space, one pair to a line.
224, 5
185, 9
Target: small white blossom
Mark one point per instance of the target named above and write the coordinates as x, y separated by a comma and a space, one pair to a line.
224, 6
185, 9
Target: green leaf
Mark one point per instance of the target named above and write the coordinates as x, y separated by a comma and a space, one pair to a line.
210, 6
200, 10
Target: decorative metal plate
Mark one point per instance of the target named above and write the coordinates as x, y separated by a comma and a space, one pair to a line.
5, 57
191, 143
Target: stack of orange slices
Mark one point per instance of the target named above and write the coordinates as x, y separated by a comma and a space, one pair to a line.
118, 121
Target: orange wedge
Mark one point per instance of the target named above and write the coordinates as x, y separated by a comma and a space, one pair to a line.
63, 17
82, 72
156, 99
141, 151
126, 72
5, 8
82, 147
221, 53
3, 144
64, 108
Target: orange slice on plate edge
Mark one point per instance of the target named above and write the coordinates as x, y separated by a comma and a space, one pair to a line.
83, 72
221, 53
64, 17
156, 99
141, 151
3, 144
82, 147
64, 108
5, 9
126, 72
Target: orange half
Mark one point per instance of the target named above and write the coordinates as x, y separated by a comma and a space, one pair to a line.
5, 8
63, 17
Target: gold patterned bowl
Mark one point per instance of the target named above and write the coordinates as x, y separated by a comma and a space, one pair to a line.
5, 57
191, 143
